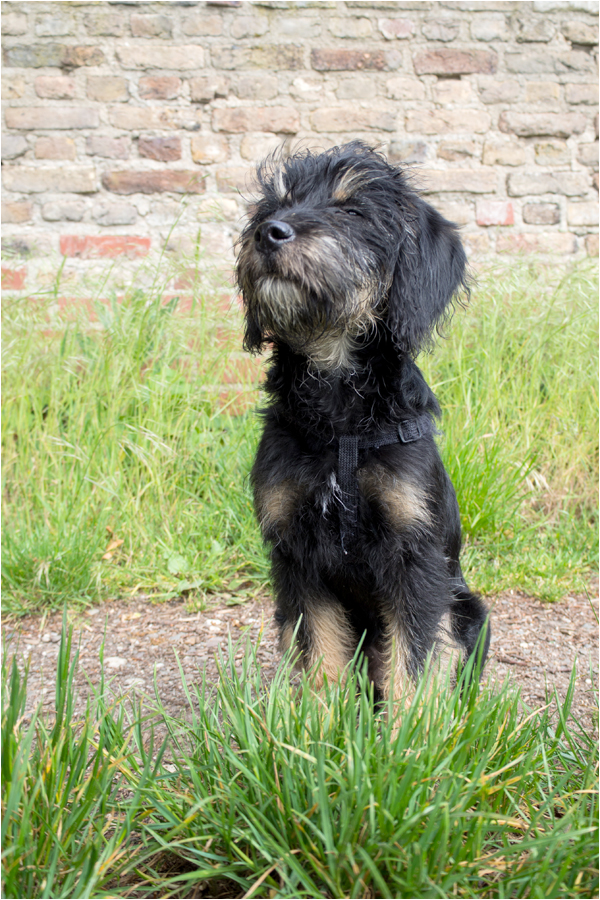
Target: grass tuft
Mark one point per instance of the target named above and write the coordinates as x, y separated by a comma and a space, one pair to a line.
273, 791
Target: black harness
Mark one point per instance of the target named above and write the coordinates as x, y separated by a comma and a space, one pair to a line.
407, 431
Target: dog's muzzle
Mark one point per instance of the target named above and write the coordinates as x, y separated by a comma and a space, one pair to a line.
272, 235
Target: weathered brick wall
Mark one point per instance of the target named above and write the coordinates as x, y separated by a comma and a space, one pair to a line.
114, 112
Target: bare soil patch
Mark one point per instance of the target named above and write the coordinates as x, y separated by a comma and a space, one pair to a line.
534, 643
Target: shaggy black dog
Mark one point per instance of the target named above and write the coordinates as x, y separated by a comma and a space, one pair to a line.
346, 272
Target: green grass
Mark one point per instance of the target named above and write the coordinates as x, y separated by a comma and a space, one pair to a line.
115, 441
272, 791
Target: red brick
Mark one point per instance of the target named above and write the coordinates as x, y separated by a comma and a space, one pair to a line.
239, 120
159, 87
347, 60
55, 148
455, 62
55, 87
495, 212
161, 148
34, 118
175, 181
16, 212
97, 246
13, 279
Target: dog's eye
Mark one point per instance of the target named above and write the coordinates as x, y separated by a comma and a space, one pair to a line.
353, 212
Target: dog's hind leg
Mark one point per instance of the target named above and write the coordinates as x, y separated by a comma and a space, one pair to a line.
469, 618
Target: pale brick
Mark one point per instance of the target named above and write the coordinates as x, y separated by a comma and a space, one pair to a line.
216, 208
476, 243
13, 146
582, 93
264, 56
494, 212
455, 62
159, 87
347, 60
256, 87
107, 88
41, 118
28, 243
16, 212
398, 29
444, 30
179, 57
492, 91
108, 147
58, 147
236, 178
350, 27
532, 63
14, 23
533, 30
552, 153
470, 181
357, 87
455, 151
64, 56
55, 87
490, 28
399, 88
459, 213
408, 152
538, 124
541, 214
580, 33
54, 24
591, 245
306, 89
63, 211
255, 147
146, 118
209, 148
74, 179
202, 25
164, 149
249, 26
267, 118
340, 119
104, 24
542, 92
205, 88
569, 183
587, 154
581, 214
438, 121
554, 244
503, 154
151, 26
450, 91
296, 29
110, 214
13, 88
176, 181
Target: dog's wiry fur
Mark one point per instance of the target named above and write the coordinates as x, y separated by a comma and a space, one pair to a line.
347, 272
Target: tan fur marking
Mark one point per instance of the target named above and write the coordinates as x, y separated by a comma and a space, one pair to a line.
332, 642
397, 678
350, 182
287, 636
276, 504
402, 503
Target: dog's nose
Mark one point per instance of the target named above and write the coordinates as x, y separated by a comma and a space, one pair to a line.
272, 234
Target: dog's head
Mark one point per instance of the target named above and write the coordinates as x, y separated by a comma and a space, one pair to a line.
339, 241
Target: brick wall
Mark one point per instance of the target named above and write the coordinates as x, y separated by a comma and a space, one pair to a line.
116, 112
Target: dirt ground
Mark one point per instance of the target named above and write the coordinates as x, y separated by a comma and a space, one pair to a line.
535, 643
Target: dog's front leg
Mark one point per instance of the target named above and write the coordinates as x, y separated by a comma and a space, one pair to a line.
313, 623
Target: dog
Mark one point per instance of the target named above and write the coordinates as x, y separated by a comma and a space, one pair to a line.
347, 273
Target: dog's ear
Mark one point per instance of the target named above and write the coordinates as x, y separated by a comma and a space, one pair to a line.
429, 274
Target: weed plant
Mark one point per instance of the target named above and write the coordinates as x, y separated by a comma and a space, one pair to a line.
125, 469
273, 791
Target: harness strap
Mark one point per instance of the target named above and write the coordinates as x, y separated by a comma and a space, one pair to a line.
407, 431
